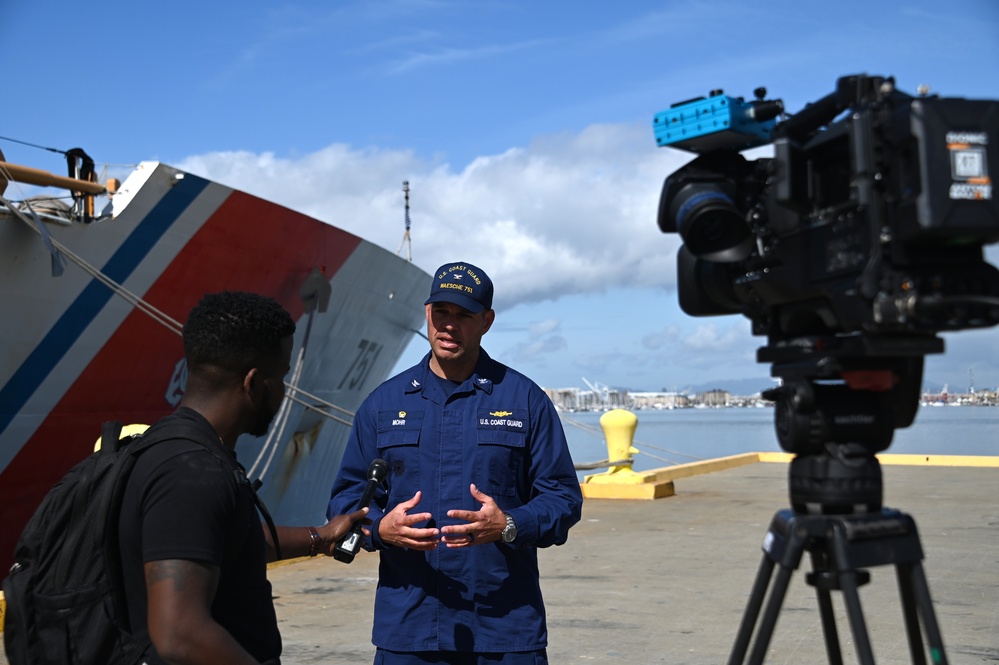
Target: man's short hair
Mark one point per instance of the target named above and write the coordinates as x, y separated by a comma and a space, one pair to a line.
235, 331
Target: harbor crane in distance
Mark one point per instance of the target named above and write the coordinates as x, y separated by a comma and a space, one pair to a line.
600, 393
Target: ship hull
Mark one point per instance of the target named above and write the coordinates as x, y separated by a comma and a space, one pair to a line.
75, 354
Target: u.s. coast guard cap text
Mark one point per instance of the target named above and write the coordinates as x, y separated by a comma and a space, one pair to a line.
464, 285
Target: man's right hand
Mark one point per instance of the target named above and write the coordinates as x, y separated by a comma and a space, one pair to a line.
396, 527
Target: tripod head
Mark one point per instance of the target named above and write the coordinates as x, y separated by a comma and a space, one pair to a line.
840, 400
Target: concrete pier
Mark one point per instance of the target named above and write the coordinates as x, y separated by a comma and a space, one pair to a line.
666, 581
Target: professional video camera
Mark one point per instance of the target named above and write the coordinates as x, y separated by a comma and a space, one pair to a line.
859, 240
849, 249
872, 223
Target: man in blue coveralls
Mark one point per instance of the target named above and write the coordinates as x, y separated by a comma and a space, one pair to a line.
479, 477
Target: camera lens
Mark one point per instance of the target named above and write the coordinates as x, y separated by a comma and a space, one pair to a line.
709, 223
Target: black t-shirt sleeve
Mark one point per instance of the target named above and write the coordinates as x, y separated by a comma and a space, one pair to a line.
187, 509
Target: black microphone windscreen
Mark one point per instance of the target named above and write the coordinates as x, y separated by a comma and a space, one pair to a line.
378, 470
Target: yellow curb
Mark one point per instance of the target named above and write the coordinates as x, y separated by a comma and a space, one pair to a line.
650, 490
659, 482
986, 461
287, 562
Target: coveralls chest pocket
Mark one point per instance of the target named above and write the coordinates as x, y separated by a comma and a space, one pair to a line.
398, 442
501, 452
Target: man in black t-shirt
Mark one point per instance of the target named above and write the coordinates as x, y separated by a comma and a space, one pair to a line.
193, 550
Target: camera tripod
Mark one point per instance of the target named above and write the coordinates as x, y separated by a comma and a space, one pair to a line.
840, 546
835, 490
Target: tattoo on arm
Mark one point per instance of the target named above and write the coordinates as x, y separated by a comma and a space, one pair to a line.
159, 571
183, 575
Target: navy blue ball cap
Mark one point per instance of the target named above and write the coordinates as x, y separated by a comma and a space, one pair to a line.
464, 285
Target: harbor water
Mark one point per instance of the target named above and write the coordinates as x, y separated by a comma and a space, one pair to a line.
679, 436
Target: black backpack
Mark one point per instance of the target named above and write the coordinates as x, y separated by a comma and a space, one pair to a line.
64, 594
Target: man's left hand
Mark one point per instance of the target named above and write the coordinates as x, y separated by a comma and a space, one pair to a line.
484, 525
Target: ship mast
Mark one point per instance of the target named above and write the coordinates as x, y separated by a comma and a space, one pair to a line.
405, 236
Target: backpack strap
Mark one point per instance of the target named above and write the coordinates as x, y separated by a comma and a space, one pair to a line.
111, 435
240, 475
81, 497
254, 486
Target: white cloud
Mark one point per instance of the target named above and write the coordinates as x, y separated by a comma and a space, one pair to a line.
451, 55
569, 214
546, 327
535, 349
708, 337
660, 338
540, 341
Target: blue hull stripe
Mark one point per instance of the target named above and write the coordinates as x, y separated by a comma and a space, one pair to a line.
82, 311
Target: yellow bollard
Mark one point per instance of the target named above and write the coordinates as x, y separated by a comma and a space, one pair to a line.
126, 430
619, 431
620, 481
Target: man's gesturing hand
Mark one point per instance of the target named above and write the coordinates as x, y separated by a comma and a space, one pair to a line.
485, 525
396, 527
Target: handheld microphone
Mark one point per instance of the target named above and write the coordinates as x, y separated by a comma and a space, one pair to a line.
350, 543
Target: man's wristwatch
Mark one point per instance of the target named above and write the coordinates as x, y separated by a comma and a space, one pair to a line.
510, 531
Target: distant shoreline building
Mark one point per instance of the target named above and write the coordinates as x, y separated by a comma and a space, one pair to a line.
660, 400
578, 399
715, 397
583, 399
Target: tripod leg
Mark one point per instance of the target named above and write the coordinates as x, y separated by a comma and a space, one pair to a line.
851, 598
908, 597
787, 550
829, 627
752, 612
770, 615
921, 590
829, 631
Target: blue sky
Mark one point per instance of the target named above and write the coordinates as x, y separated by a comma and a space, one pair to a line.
523, 127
